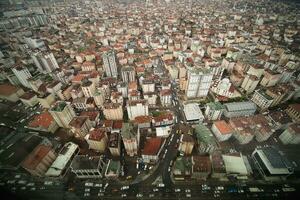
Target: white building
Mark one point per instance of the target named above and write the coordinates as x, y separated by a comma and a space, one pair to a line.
214, 110
110, 64
45, 62
61, 165
128, 74
291, 135
261, 99
137, 108
62, 113
165, 97
249, 83
198, 82
23, 74
193, 113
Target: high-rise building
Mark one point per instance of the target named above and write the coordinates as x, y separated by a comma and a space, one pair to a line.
198, 82
137, 108
131, 136
113, 111
45, 62
62, 113
88, 88
23, 74
128, 74
109, 63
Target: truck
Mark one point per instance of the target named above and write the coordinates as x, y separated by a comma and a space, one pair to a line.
255, 189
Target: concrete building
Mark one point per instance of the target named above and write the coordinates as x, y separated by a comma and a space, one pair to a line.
186, 144
128, 74
29, 99
291, 135
148, 86
113, 111
62, 113
270, 78
88, 167
271, 164
113, 169
198, 83
110, 64
131, 138
214, 110
222, 130
261, 99
237, 165
218, 165
152, 149
242, 130
182, 168
249, 83
137, 108
97, 139
206, 143
88, 88
193, 113
23, 74
114, 144
38, 162
61, 165
80, 126
43, 122
46, 100
10, 92
45, 62
165, 97
201, 167
237, 109
293, 111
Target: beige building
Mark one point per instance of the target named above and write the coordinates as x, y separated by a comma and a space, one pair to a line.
113, 111
294, 112
10, 92
97, 139
249, 83
62, 113
47, 100
80, 126
291, 135
38, 162
186, 144
29, 99
88, 88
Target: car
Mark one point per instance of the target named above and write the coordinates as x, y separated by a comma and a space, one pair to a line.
105, 186
33, 189
139, 195
22, 182
217, 191
23, 188
181, 153
98, 185
86, 194
180, 120
100, 194
216, 195
220, 188
87, 189
177, 190
30, 184
128, 177
123, 195
125, 187
161, 185
188, 195
150, 167
155, 189
151, 195
139, 172
169, 169
88, 184
187, 190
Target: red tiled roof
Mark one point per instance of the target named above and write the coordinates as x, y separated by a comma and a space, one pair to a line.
97, 134
36, 157
223, 127
152, 146
7, 89
43, 120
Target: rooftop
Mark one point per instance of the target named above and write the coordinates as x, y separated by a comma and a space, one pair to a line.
97, 134
59, 106
8, 89
223, 127
36, 156
43, 120
77, 122
152, 146
85, 162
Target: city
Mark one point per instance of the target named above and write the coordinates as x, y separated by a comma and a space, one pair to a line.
149, 99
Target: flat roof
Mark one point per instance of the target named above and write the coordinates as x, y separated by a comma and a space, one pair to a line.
85, 162
235, 164
236, 106
192, 112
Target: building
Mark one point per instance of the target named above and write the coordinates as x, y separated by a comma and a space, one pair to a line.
163, 119
186, 144
270, 78
261, 99
114, 144
84, 166
62, 113
205, 141
152, 149
22, 74
293, 111
113, 111
218, 165
201, 167
193, 113
249, 83
137, 108
198, 83
237, 165
110, 64
182, 168
128, 74
38, 162
43, 122
46, 100
224, 88
10, 92
143, 121
222, 130
291, 135
61, 165
237, 109
165, 97
148, 86
131, 138
88, 88
113, 169
271, 164
214, 110
93, 115
45, 62
29, 99
80, 126
243, 131
97, 139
